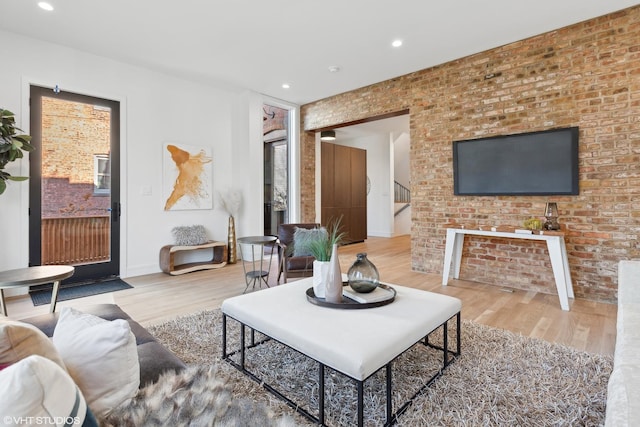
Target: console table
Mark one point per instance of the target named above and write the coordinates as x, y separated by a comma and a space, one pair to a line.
555, 246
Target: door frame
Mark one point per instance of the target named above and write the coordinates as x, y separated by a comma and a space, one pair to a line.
293, 154
118, 246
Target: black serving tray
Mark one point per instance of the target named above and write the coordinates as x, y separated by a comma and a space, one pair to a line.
348, 303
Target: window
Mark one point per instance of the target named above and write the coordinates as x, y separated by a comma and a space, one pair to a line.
101, 174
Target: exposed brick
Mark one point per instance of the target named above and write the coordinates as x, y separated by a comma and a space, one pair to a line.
68, 148
584, 75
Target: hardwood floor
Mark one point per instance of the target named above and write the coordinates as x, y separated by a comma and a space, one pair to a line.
589, 326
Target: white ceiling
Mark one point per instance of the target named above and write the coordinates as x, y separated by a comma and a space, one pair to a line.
261, 44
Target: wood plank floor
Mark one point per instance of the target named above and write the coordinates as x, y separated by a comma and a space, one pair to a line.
589, 326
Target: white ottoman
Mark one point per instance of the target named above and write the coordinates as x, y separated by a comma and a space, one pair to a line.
331, 336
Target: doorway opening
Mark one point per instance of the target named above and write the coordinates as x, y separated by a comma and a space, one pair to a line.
387, 142
276, 168
74, 187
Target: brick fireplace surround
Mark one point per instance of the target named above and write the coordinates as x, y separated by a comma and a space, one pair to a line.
585, 75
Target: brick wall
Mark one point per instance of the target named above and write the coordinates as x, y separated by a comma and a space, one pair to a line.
273, 119
64, 199
585, 75
72, 133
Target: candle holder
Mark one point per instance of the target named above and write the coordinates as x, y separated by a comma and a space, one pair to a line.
551, 215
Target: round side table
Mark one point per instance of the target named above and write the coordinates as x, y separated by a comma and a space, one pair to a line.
36, 275
255, 264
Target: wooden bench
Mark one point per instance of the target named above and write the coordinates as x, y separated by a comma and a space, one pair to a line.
168, 253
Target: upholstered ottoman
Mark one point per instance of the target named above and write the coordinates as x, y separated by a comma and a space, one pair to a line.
336, 339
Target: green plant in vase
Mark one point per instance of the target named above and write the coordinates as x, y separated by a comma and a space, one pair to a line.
12, 146
321, 247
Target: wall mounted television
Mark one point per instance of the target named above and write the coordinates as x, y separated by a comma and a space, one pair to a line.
526, 164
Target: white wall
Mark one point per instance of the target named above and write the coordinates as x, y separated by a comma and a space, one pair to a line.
155, 108
379, 170
401, 158
402, 221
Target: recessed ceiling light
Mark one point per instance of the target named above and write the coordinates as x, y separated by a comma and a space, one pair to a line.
334, 69
46, 6
285, 86
396, 43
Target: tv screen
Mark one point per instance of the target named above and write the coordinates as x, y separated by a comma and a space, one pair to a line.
533, 163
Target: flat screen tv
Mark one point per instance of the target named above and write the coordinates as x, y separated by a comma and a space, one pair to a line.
526, 164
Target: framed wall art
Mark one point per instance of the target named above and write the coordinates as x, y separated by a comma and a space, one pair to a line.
187, 177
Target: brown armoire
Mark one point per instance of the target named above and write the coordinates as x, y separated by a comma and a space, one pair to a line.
344, 189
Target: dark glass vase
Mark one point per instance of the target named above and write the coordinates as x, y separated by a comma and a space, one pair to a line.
363, 275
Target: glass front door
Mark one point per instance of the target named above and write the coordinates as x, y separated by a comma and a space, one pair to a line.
74, 188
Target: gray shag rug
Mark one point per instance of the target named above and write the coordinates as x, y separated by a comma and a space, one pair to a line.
500, 379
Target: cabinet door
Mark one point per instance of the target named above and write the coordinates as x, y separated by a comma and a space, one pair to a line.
342, 176
344, 189
358, 210
327, 178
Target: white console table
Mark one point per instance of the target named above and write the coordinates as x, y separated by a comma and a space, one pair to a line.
555, 245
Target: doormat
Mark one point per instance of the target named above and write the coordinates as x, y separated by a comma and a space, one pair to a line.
42, 297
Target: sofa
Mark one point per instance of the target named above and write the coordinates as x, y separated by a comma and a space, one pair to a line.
75, 367
623, 393
154, 359
102, 368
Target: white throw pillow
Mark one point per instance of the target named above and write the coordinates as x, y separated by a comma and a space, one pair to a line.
35, 390
101, 356
19, 340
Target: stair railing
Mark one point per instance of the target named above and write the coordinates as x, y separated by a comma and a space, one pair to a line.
401, 193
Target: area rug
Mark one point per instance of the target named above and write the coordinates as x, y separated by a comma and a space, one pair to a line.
41, 297
500, 379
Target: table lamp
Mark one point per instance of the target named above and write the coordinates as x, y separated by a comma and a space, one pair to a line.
551, 215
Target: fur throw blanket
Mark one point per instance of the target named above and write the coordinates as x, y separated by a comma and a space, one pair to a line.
196, 396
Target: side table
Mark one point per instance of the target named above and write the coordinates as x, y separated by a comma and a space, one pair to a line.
37, 275
252, 252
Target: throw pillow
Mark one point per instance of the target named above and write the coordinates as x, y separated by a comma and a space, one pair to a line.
189, 235
19, 340
36, 390
302, 237
101, 356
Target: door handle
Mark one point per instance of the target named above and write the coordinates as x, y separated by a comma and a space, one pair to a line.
116, 211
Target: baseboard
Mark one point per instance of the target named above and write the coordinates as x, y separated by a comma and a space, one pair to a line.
141, 270
379, 234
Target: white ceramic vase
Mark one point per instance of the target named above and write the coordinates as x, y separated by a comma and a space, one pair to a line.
320, 273
334, 278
